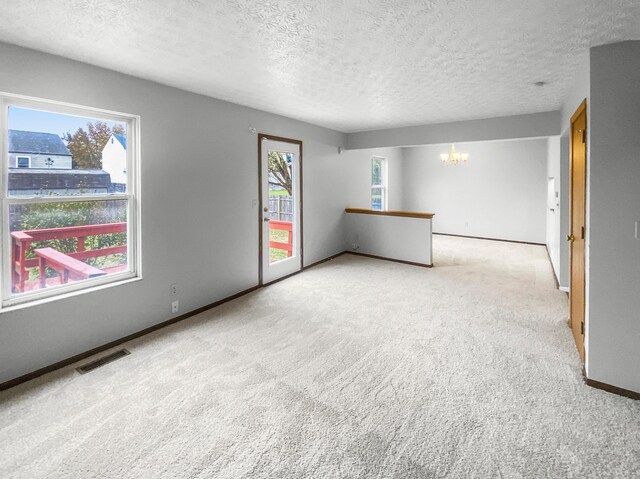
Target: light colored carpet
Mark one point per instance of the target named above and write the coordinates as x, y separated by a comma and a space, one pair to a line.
355, 368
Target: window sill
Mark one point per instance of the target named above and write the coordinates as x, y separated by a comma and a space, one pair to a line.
132, 278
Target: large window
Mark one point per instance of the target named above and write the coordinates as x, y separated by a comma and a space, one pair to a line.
70, 214
378, 183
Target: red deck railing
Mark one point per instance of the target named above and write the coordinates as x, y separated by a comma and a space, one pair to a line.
283, 226
21, 243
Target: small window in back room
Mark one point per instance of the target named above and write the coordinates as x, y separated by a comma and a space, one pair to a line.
378, 183
70, 198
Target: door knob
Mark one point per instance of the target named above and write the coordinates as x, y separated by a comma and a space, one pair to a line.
265, 209
266, 220
570, 237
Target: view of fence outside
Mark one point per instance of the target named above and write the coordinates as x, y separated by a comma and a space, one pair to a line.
281, 208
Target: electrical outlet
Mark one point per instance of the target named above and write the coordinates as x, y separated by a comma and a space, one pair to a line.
175, 306
173, 289
354, 246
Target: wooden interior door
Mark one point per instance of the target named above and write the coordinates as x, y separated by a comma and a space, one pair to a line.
578, 175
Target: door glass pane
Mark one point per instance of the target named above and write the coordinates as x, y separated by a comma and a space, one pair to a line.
281, 203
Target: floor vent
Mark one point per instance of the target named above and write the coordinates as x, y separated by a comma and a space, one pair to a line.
121, 353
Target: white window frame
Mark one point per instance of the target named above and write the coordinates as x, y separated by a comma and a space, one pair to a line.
383, 186
18, 161
134, 243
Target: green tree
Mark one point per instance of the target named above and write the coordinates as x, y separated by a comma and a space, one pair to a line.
280, 171
86, 145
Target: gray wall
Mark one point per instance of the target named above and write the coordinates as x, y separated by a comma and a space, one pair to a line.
356, 165
576, 94
192, 234
500, 193
553, 203
565, 211
535, 125
558, 211
614, 208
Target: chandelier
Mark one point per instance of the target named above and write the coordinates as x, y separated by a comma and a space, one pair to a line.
454, 157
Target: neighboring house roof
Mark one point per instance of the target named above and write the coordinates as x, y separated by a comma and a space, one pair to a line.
50, 179
122, 139
33, 142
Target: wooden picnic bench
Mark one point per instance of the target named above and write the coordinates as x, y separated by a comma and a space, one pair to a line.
64, 265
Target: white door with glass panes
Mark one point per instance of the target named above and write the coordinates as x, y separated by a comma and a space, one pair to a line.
281, 209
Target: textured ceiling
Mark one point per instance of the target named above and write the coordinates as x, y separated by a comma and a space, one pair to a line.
350, 65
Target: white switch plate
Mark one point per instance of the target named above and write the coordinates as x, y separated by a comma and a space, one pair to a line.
637, 230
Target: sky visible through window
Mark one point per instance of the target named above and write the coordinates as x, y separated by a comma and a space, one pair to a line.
47, 122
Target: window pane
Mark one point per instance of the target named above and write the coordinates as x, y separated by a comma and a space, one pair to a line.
376, 172
377, 198
52, 154
75, 240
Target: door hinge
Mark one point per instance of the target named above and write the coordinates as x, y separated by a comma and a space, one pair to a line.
582, 327
584, 135
582, 232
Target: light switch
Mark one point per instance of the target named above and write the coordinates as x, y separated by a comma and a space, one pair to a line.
637, 229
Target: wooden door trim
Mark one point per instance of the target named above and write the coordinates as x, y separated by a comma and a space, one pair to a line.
581, 109
264, 136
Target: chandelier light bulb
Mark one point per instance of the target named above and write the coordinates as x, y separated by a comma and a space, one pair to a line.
454, 156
